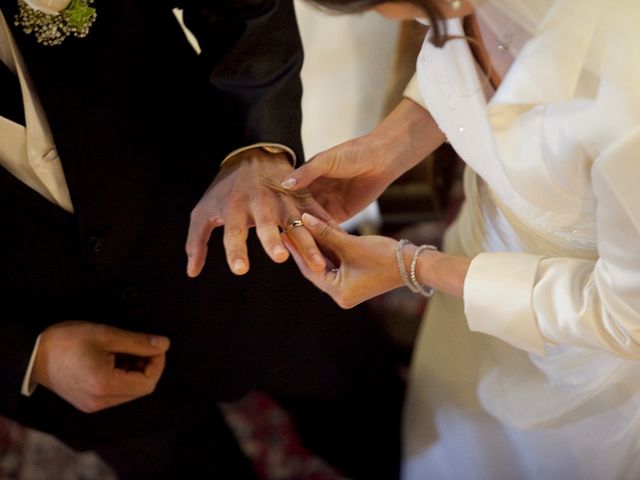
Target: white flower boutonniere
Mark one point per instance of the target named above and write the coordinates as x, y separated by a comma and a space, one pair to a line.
53, 21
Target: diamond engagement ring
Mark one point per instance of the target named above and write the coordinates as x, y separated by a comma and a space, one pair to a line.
295, 223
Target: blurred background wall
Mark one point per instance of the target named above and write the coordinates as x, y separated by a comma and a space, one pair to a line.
348, 60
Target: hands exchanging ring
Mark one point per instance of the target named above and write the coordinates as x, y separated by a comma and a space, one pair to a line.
295, 223
357, 267
262, 190
247, 193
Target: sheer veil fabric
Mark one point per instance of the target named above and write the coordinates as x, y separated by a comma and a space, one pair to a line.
615, 25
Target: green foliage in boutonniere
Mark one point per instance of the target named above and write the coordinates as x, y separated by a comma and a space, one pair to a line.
54, 27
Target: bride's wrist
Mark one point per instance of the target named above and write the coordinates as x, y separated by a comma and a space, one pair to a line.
390, 153
443, 272
405, 137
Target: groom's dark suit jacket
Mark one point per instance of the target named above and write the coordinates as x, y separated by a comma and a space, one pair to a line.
141, 123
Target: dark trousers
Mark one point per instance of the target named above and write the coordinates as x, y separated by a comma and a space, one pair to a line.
271, 330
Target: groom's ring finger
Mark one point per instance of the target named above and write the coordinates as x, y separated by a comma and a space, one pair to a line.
295, 223
305, 243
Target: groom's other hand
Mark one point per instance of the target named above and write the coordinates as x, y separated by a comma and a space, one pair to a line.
246, 193
95, 366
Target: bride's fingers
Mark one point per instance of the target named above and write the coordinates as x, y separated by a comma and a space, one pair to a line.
305, 244
307, 173
318, 278
314, 208
325, 234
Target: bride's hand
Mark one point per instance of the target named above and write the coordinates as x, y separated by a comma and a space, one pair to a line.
345, 178
358, 268
348, 177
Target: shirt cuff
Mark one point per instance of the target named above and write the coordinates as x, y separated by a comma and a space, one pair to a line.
412, 92
498, 299
28, 387
287, 150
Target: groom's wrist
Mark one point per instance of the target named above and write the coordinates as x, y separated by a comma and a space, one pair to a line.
276, 149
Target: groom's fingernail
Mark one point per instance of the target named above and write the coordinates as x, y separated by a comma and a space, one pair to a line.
158, 342
190, 267
288, 183
309, 219
278, 251
238, 265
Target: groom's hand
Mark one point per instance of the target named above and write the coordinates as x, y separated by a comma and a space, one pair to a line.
244, 194
94, 366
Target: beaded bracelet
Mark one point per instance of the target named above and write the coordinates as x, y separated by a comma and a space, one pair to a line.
400, 261
410, 279
424, 290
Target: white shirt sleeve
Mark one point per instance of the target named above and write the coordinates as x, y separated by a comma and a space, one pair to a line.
528, 300
285, 149
28, 386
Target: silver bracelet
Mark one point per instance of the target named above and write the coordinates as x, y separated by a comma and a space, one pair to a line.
400, 261
424, 290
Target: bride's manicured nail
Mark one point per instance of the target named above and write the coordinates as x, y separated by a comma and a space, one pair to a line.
310, 220
288, 183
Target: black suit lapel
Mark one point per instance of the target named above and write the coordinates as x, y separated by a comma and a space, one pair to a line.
11, 105
124, 106
58, 75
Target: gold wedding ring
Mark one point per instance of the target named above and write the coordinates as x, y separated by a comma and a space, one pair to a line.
295, 223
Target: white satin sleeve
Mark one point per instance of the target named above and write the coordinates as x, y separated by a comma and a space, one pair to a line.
412, 91
498, 298
528, 301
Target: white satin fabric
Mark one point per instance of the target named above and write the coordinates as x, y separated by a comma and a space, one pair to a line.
547, 383
28, 152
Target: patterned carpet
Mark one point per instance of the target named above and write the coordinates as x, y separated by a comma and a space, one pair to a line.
30, 455
264, 430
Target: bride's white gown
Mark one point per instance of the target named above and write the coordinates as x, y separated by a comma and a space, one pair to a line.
536, 374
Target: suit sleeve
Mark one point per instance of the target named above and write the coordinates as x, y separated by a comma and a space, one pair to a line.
17, 341
253, 55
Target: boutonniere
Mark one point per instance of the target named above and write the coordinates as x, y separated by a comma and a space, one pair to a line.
53, 21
